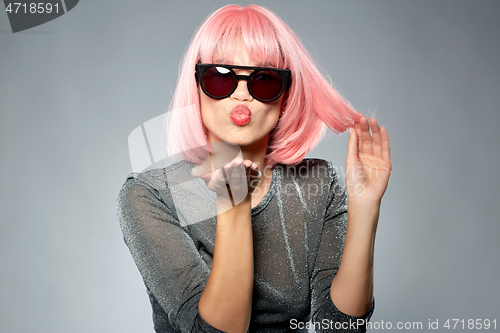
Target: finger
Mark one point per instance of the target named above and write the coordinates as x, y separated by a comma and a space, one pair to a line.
200, 171
240, 169
239, 165
366, 137
248, 169
235, 162
207, 177
377, 141
247, 163
357, 128
359, 142
234, 171
225, 175
255, 175
386, 149
221, 175
232, 166
256, 170
352, 145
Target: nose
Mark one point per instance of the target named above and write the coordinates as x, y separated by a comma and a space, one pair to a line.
241, 93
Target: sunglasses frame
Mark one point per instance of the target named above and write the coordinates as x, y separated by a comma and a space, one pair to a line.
283, 73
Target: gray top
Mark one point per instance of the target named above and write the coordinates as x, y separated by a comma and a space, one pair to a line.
298, 230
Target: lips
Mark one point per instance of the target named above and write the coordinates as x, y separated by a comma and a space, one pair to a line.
240, 115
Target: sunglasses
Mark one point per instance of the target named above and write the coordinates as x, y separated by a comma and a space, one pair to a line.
265, 84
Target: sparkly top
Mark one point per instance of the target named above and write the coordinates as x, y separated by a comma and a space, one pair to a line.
168, 219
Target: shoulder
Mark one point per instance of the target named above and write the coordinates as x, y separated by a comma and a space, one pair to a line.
154, 183
159, 178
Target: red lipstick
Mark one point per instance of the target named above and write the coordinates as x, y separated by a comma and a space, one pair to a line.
240, 115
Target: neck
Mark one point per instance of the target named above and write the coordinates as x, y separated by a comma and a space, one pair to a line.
257, 154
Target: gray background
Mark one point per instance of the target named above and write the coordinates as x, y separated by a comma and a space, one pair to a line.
73, 89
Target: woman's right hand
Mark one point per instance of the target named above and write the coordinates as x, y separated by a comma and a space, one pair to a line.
233, 182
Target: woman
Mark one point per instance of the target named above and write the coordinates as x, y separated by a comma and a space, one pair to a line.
282, 244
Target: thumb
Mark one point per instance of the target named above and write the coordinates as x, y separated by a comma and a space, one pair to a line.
200, 171
352, 145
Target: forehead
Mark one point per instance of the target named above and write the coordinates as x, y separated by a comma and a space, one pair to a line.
234, 54
239, 59
241, 52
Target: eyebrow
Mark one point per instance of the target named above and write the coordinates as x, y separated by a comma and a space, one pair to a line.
265, 64
259, 64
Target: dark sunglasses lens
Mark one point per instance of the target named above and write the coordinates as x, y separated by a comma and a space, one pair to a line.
266, 85
218, 81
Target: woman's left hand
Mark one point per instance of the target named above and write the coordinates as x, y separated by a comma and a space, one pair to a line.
368, 163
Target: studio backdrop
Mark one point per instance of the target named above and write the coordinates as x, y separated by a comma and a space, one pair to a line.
75, 84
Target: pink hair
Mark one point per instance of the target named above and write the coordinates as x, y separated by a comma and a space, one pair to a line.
312, 102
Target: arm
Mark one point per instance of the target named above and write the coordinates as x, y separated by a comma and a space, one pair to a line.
165, 254
226, 302
368, 167
352, 287
329, 256
171, 266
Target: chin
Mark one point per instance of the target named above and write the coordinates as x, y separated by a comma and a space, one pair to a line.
249, 142
242, 141
243, 136
238, 141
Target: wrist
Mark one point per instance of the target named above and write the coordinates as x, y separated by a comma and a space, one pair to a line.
358, 202
225, 204
363, 215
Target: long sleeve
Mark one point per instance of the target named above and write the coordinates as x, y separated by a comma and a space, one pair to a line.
327, 263
172, 268
299, 227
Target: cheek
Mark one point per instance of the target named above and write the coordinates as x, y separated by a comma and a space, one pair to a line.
274, 113
206, 109
268, 122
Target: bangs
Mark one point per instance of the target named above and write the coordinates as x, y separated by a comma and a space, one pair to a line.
232, 30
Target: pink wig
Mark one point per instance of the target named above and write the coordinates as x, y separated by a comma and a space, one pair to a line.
312, 102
